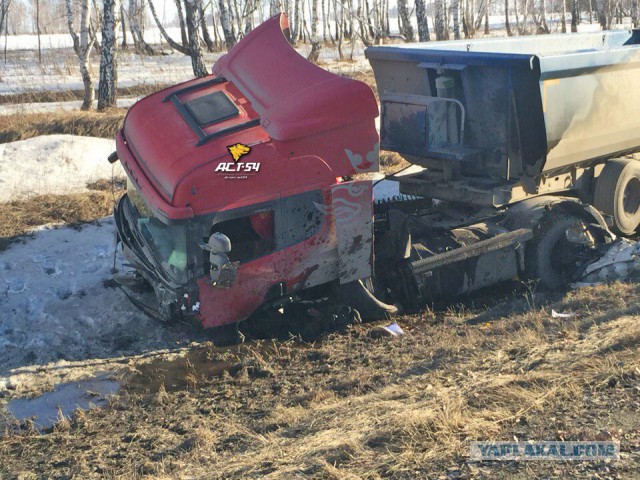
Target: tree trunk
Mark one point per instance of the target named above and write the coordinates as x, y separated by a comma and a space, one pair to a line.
135, 13
515, 12
172, 43
339, 27
123, 45
274, 7
38, 30
486, 20
248, 16
602, 14
86, 43
313, 37
225, 21
82, 45
107, 85
506, 18
403, 14
544, 28
195, 52
324, 20
183, 28
295, 27
439, 25
455, 7
205, 30
72, 32
563, 16
634, 14
423, 22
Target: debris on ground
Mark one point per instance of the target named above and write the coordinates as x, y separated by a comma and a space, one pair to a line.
621, 262
391, 330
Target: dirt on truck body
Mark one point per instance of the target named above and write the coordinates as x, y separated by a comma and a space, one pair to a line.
245, 193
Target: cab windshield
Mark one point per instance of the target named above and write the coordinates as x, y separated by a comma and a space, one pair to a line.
167, 244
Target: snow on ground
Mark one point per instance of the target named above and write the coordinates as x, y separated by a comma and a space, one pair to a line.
59, 70
54, 303
54, 164
26, 108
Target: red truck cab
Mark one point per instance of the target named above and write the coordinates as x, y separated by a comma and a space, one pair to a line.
261, 152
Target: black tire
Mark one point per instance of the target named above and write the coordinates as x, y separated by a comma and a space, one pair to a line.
548, 256
617, 194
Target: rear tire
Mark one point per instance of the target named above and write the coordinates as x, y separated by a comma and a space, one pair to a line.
549, 256
617, 194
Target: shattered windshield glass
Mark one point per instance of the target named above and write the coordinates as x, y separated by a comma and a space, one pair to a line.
167, 243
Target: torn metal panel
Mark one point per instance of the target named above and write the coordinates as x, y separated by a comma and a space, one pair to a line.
352, 204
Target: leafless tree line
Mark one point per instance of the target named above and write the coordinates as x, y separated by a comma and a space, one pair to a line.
216, 25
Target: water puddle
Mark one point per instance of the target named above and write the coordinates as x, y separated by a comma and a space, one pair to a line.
65, 398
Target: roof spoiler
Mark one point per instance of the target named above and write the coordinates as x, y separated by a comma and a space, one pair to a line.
293, 97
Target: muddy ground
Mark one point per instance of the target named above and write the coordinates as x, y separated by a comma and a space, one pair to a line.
359, 404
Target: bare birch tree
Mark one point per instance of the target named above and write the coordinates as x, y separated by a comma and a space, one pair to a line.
184, 49
136, 13
123, 27
339, 27
108, 82
295, 24
193, 49
225, 21
36, 7
541, 20
82, 45
313, 36
455, 10
183, 28
193, 29
206, 36
406, 29
506, 18
439, 23
423, 22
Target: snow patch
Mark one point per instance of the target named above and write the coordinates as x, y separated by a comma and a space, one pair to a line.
55, 302
56, 164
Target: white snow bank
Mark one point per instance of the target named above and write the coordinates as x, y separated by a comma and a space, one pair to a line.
23, 108
54, 164
54, 303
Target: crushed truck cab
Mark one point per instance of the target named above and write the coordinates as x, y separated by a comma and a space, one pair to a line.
244, 191
260, 152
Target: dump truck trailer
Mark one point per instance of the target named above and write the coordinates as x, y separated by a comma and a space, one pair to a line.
254, 189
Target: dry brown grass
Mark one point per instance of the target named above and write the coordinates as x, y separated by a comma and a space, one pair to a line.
20, 217
92, 124
44, 96
356, 405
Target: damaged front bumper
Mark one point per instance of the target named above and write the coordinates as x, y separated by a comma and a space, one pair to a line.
150, 289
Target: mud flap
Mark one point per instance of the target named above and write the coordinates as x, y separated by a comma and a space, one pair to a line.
352, 204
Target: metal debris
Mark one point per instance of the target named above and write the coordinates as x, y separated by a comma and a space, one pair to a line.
620, 262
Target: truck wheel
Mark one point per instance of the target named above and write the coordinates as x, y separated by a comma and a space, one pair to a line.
617, 194
550, 257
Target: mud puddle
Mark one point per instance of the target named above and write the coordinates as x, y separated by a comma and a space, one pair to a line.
50, 407
177, 373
